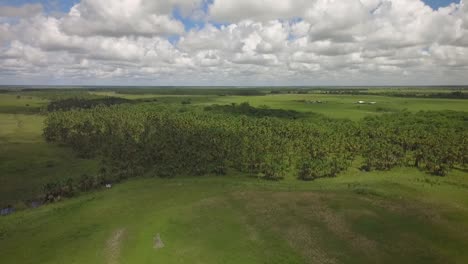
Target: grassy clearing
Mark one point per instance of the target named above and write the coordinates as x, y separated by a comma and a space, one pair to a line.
22, 178
382, 217
20, 103
27, 162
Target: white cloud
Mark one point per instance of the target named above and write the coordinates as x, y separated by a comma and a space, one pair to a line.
27, 10
259, 42
126, 17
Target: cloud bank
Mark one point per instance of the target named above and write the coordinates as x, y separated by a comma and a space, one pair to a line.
236, 42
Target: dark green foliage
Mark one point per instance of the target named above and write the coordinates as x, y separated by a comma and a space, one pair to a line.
134, 139
82, 103
220, 91
186, 101
69, 187
246, 109
55, 190
448, 95
432, 141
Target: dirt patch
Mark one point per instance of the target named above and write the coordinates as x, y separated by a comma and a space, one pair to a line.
157, 242
114, 245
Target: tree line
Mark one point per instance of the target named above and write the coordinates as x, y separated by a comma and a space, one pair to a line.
83, 103
248, 110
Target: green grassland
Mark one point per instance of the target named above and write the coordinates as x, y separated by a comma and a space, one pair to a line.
379, 217
27, 162
344, 106
402, 215
20, 103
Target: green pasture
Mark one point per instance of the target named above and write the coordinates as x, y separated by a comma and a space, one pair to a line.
27, 162
20, 103
400, 216
345, 106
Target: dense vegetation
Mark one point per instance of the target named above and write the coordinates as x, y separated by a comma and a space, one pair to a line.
246, 109
132, 140
73, 103
433, 141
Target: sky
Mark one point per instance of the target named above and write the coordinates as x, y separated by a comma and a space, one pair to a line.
234, 42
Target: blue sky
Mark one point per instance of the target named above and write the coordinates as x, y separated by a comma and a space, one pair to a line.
438, 3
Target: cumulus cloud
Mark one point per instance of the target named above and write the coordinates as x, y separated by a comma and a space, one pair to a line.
125, 17
237, 42
27, 10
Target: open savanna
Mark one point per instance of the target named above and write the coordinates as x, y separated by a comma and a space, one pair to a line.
345, 106
399, 216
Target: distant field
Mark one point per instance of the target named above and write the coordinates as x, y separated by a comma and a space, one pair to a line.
335, 106
344, 106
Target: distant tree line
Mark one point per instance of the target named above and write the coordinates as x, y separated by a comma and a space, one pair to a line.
415, 94
246, 109
83, 103
220, 91
451, 95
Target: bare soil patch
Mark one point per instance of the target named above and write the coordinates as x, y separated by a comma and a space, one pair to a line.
114, 245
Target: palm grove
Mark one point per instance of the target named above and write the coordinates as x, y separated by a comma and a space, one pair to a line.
131, 140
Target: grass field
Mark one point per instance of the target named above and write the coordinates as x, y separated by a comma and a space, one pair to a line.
344, 106
27, 162
17, 103
402, 215
386, 217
